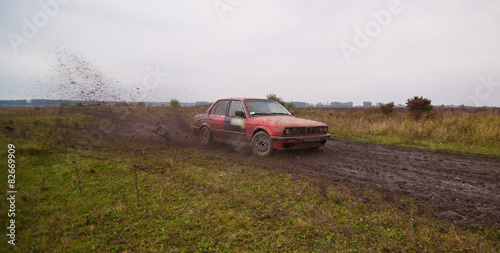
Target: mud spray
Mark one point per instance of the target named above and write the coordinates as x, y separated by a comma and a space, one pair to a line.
73, 77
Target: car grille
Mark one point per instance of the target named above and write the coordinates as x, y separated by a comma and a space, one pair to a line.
309, 130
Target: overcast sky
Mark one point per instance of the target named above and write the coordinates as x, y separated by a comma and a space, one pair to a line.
311, 51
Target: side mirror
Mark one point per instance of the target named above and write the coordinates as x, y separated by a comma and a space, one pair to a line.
239, 114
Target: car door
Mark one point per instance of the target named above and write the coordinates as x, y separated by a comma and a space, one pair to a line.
216, 118
235, 126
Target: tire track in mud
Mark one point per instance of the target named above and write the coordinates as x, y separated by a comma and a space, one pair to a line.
465, 189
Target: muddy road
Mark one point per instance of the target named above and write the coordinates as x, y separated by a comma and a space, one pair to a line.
462, 188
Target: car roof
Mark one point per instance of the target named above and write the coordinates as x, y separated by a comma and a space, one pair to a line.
244, 99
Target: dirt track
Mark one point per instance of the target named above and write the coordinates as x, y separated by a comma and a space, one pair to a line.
465, 189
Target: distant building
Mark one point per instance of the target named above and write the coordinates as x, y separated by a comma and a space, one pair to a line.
367, 104
341, 104
23, 102
299, 104
203, 103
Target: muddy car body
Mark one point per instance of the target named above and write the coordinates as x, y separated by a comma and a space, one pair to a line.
263, 123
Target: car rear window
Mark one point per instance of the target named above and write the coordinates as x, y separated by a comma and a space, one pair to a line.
221, 107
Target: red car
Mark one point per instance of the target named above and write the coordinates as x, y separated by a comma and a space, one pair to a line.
264, 123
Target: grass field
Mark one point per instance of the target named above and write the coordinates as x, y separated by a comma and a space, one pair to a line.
137, 196
450, 129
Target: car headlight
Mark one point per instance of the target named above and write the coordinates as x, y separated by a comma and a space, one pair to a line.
296, 131
325, 130
288, 131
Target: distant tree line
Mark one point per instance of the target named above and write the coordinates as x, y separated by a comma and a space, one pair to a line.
53, 102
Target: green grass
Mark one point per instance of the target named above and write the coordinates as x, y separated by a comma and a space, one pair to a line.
137, 197
185, 199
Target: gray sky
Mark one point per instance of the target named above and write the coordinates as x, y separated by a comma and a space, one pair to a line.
311, 51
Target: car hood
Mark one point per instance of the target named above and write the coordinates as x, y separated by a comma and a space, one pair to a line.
288, 121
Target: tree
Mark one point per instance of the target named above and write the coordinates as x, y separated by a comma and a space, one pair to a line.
174, 103
288, 105
419, 107
387, 109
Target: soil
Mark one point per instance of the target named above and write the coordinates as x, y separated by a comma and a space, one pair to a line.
461, 188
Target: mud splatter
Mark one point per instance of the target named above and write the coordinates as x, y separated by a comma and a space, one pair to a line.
73, 77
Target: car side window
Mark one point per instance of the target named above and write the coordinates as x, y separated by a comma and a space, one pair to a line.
221, 108
236, 105
212, 111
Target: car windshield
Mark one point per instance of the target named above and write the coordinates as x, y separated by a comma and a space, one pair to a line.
265, 107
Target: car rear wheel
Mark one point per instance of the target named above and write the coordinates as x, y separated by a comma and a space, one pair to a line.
205, 136
262, 144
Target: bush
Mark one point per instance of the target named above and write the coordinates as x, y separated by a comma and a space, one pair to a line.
288, 105
174, 103
419, 107
387, 109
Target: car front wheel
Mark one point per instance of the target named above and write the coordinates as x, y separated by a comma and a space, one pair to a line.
262, 144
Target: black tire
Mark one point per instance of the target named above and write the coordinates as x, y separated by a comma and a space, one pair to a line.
262, 145
205, 136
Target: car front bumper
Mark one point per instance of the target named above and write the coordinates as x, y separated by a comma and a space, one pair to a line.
299, 142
